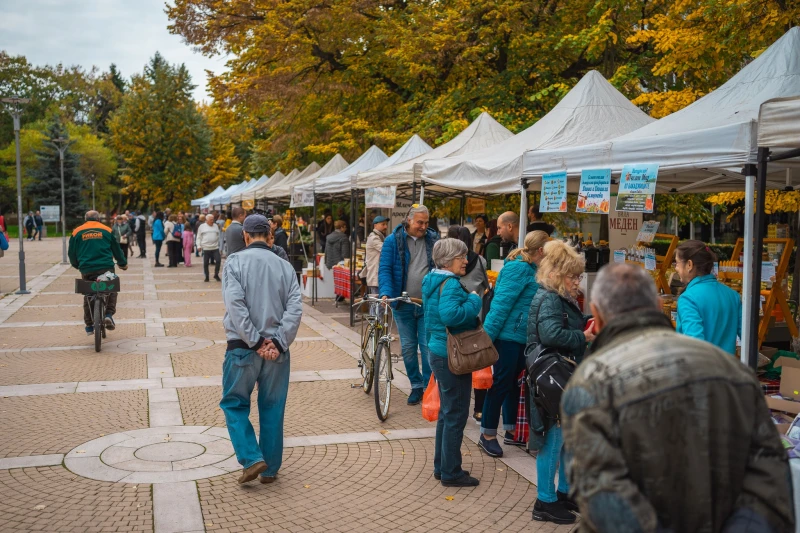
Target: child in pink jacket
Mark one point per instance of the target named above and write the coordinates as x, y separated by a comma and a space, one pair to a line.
188, 244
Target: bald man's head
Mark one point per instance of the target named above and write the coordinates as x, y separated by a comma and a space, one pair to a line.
92, 215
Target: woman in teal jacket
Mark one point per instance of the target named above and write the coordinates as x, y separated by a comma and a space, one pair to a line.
448, 305
707, 309
506, 324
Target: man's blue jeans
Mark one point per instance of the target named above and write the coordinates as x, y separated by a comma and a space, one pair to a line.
454, 395
411, 327
504, 391
549, 460
241, 370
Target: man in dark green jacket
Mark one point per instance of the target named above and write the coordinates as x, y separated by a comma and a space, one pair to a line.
92, 250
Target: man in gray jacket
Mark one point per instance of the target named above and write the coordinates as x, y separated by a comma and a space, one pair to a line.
234, 235
263, 307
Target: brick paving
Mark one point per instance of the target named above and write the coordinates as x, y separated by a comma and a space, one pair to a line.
375, 484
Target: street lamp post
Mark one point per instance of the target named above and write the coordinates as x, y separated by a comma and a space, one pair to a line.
93, 209
61, 145
15, 108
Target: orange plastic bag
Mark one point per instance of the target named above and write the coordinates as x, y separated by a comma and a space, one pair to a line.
482, 379
430, 401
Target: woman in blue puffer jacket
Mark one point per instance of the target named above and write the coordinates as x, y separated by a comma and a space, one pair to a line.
506, 323
448, 305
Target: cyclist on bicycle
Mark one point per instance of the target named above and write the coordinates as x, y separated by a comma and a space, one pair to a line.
92, 250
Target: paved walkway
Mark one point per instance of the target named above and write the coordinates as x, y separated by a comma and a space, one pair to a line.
132, 438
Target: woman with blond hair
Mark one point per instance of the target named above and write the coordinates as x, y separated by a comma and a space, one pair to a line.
556, 321
506, 324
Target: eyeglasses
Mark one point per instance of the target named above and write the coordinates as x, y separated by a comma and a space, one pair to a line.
461, 257
575, 277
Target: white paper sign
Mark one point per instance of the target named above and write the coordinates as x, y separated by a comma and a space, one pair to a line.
650, 260
619, 256
767, 270
382, 197
302, 199
595, 192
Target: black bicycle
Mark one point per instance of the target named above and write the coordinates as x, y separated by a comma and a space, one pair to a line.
97, 292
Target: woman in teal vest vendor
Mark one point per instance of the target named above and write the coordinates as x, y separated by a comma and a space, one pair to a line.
707, 309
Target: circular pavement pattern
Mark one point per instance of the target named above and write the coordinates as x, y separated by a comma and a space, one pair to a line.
155, 455
157, 345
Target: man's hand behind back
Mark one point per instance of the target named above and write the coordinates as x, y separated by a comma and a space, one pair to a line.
268, 351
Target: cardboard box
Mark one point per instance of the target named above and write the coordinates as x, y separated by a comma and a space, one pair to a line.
786, 406
790, 377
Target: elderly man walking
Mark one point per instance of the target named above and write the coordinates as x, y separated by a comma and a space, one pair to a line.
666, 432
208, 241
406, 258
263, 307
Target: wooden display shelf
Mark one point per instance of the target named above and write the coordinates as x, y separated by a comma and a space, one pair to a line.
775, 295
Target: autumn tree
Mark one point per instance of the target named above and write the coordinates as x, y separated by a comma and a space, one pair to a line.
162, 137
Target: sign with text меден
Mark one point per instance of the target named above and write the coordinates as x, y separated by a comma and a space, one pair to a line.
554, 193
595, 193
637, 188
623, 229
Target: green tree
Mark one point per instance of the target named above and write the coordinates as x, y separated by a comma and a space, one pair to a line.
163, 139
98, 161
45, 178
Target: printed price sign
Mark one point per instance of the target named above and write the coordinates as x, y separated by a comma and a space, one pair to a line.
302, 199
619, 256
595, 192
650, 260
648, 231
380, 197
767, 270
637, 188
554, 193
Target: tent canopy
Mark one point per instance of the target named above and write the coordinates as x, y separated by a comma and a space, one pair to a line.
345, 179
334, 166
592, 111
254, 193
225, 197
203, 202
779, 123
701, 148
239, 196
412, 148
482, 133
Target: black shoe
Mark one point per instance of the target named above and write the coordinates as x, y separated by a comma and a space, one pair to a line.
552, 512
477, 417
568, 503
509, 439
490, 446
415, 397
109, 323
172, 266
217, 278
464, 481
438, 477
206, 280
158, 265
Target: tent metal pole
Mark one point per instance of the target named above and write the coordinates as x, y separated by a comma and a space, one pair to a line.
353, 235
761, 181
422, 193
747, 275
314, 255
413, 189
523, 212
713, 223
463, 207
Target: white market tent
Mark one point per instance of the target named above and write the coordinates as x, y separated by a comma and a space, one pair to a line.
203, 202
779, 124
345, 179
334, 166
701, 148
236, 198
592, 111
413, 147
256, 192
224, 198
482, 133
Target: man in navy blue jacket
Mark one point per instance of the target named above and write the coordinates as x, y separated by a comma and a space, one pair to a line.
405, 260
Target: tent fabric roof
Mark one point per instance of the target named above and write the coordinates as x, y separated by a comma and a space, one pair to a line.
286, 182
203, 201
482, 133
239, 196
702, 147
254, 193
592, 111
334, 166
779, 123
413, 147
344, 180
225, 197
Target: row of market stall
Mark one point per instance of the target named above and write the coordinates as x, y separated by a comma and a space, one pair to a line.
742, 136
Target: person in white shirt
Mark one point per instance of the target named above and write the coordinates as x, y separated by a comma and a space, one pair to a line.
208, 240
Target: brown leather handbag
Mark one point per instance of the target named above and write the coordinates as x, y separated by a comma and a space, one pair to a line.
469, 351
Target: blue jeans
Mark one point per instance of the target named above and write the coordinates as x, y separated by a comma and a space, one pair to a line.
549, 460
504, 391
411, 327
454, 395
241, 370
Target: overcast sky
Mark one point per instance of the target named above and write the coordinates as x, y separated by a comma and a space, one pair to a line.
98, 32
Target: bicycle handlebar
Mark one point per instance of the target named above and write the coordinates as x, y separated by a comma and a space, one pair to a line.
404, 298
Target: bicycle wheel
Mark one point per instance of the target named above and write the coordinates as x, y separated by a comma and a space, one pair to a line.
383, 380
367, 358
98, 323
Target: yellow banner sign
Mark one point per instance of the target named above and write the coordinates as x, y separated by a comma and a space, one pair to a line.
476, 206
248, 204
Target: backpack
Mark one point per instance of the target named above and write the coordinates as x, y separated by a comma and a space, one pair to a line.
177, 231
547, 374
